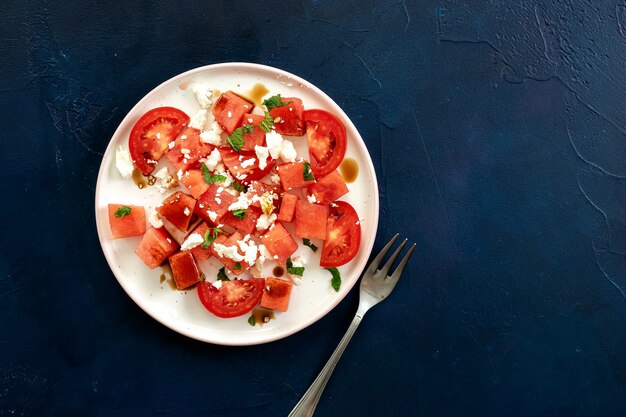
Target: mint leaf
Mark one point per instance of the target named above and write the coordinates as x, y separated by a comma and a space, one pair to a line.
248, 128
306, 172
335, 282
221, 274
210, 236
237, 266
240, 214
251, 321
236, 140
267, 123
294, 270
210, 179
308, 243
274, 101
239, 187
123, 211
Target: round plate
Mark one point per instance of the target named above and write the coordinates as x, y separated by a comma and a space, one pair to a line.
181, 310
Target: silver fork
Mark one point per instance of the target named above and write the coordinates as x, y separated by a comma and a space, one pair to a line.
376, 285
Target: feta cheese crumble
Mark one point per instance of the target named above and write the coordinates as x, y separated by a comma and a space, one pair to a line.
204, 95
274, 143
213, 159
249, 250
261, 153
194, 240
212, 135
287, 151
187, 212
242, 203
123, 162
265, 221
166, 180
199, 119
248, 163
154, 219
229, 252
311, 199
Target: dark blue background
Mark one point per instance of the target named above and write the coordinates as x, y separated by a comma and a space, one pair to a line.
497, 133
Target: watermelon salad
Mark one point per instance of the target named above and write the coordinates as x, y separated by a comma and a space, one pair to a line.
231, 180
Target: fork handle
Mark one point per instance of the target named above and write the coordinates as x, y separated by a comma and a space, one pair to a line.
308, 402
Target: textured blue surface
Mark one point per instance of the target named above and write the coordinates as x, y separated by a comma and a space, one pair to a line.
498, 134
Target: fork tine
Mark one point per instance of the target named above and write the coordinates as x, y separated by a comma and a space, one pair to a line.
393, 278
378, 259
383, 271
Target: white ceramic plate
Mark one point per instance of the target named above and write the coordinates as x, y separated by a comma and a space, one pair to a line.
181, 310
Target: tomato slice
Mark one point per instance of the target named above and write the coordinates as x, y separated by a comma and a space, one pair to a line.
343, 235
327, 141
152, 134
234, 298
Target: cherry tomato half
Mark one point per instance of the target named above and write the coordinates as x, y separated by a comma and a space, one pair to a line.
152, 134
343, 235
327, 141
233, 298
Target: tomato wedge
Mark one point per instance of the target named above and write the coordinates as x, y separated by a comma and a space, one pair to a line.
327, 141
152, 134
343, 235
234, 298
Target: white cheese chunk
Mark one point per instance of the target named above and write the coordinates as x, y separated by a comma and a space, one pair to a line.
265, 221
261, 153
311, 199
274, 143
123, 162
204, 95
192, 241
199, 119
264, 252
212, 134
229, 252
248, 163
166, 180
154, 219
242, 203
213, 159
249, 250
212, 215
287, 151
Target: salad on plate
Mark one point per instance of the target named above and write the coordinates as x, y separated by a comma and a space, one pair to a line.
236, 190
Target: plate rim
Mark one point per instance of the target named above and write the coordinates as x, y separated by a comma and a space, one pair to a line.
305, 323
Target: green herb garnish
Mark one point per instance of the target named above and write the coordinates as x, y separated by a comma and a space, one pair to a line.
267, 123
202, 277
236, 140
335, 282
221, 274
251, 321
294, 270
240, 213
308, 243
306, 172
239, 187
123, 211
210, 236
274, 101
210, 179
237, 266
